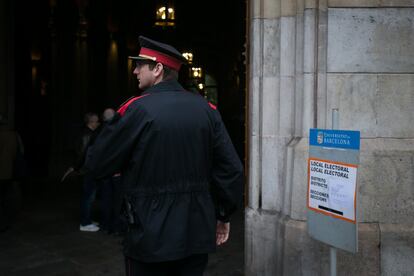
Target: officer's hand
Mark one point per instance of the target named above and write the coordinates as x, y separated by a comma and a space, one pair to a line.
223, 231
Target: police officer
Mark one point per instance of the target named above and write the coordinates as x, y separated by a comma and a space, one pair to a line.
182, 177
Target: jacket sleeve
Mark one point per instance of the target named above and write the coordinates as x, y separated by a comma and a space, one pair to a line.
227, 173
113, 147
81, 146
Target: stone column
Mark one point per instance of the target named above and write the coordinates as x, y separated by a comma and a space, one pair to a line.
112, 73
3, 55
267, 133
56, 166
7, 62
306, 58
81, 68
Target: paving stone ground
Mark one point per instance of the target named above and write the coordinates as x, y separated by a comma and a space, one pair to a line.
45, 239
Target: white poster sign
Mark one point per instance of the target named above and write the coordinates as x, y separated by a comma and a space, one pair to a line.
332, 188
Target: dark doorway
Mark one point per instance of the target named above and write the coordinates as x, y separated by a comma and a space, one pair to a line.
70, 57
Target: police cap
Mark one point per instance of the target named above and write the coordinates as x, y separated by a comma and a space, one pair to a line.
159, 52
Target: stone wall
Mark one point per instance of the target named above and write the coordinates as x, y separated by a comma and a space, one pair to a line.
307, 58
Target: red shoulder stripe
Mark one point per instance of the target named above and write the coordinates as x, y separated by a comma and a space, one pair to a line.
124, 107
212, 106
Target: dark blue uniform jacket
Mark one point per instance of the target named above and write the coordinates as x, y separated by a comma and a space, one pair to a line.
180, 171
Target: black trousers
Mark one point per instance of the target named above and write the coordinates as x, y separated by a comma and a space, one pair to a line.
190, 266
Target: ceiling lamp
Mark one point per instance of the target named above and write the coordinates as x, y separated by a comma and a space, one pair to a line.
165, 15
189, 57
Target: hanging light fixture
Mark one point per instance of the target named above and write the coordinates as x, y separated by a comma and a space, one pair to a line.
196, 72
165, 14
189, 57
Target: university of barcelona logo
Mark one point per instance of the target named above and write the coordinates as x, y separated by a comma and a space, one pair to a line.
320, 137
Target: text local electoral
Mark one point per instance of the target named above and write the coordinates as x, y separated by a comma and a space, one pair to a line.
329, 169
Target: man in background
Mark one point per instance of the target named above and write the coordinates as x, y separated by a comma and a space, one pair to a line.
11, 151
89, 185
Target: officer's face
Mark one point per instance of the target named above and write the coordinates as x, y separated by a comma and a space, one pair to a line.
144, 75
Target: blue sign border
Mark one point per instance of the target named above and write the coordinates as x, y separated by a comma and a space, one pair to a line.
329, 138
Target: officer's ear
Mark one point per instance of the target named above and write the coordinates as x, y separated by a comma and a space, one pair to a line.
158, 70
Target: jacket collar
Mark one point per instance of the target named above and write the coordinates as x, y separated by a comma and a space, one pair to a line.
168, 85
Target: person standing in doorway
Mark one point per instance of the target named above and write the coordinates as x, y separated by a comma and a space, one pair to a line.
89, 185
182, 176
11, 156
